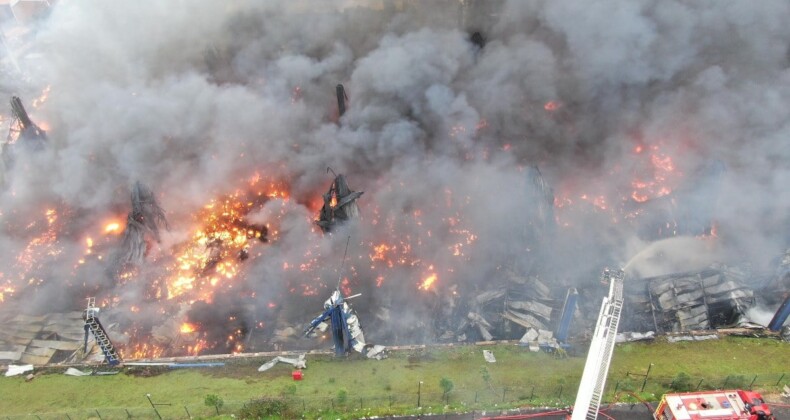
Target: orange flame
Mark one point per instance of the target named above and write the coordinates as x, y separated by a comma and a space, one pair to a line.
551, 106
188, 328
112, 227
428, 281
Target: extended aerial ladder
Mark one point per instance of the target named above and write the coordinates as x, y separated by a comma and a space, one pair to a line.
92, 324
593, 382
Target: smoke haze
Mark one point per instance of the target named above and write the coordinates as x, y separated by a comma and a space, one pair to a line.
648, 119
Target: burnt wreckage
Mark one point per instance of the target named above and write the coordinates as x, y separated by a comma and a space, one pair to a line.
22, 132
25, 129
144, 219
527, 306
712, 298
340, 204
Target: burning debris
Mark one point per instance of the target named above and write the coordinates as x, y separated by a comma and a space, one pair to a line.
631, 149
143, 221
340, 204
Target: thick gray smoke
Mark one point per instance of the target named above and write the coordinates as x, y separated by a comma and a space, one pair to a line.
610, 100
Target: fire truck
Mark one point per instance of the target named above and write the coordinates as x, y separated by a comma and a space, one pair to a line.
713, 405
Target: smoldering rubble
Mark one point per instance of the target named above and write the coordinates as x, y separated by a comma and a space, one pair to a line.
508, 151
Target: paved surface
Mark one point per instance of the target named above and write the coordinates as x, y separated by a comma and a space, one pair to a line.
622, 412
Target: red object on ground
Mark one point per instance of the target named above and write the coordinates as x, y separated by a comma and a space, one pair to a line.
297, 374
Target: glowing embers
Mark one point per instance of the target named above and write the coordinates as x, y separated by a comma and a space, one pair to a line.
44, 243
656, 175
188, 328
6, 290
217, 246
630, 187
420, 246
428, 281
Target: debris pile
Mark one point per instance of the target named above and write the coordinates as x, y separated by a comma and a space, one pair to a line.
340, 204
345, 328
45, 339
698, 300
144, 220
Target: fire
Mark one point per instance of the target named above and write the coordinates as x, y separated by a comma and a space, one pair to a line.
457, 130
482, 124
112, 227
43, 245
6, 290
296, 94
428, 281
551, 106
217, 246
657, 175
379, 252
187, 328
144, 350
194, 350
43, 98
221, 238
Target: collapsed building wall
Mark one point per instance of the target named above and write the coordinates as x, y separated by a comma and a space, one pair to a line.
705, 299
45, 339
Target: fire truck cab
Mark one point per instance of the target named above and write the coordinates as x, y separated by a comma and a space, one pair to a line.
713, 405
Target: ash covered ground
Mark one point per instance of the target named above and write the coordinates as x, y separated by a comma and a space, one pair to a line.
507, 151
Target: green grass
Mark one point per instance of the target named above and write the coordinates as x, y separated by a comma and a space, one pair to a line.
390, 386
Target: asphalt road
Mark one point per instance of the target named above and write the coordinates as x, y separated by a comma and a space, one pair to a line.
621, 412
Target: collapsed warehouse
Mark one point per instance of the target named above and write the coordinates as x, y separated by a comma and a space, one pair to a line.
232, 238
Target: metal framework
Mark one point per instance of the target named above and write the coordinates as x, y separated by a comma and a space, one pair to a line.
92, 324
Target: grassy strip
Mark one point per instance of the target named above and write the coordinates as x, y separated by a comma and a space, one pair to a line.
391, 385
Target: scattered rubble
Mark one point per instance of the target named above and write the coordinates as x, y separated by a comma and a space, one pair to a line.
489, 356
46, 339
346, 331
299, 362
76, 372
699, 300
628, 337
692, 337
14, 370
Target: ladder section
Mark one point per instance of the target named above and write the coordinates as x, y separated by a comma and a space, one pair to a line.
596, 368
93, 324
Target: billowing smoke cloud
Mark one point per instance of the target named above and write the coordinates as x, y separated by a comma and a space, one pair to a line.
648, 119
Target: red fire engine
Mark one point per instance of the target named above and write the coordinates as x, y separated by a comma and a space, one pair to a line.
713, 405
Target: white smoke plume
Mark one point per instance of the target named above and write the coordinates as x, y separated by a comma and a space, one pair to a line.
611, 100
